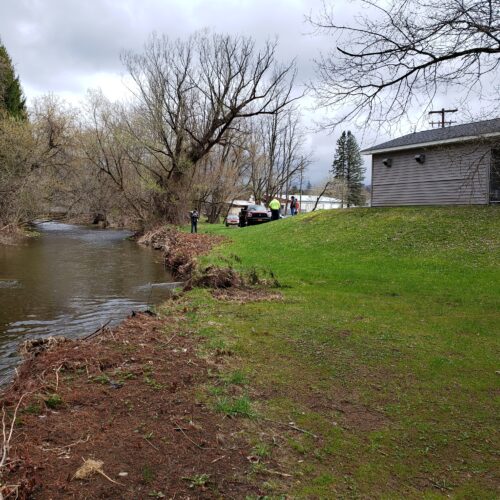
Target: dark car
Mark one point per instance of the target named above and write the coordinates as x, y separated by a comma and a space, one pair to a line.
257, 214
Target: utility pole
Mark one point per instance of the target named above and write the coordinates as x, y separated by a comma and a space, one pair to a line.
442, 112
300, 193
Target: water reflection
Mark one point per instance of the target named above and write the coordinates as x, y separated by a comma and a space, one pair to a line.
70, 281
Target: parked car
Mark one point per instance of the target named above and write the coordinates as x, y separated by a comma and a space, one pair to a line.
257, 214
232, 220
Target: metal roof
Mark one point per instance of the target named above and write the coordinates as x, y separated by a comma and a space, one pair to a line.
456, 133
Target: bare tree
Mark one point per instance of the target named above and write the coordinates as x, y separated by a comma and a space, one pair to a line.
192, 93
220, 178
325, 188
18, 198
276, 154
109, 156
53, 126
398, 52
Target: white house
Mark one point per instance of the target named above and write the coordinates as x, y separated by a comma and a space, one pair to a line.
307, 203
236, 205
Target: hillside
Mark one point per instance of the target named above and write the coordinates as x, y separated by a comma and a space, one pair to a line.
361, 363
384, 346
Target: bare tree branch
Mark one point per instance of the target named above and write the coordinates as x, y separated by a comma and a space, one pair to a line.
394, 55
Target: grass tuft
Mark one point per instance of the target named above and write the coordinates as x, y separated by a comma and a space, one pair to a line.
235, 407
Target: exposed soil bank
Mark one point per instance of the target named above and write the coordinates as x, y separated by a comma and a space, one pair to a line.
180, 249
125, 397
15, 235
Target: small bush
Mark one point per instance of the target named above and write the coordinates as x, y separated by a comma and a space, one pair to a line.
33, 409
261, 450
199, 480
152, 383
100, 379
53, 401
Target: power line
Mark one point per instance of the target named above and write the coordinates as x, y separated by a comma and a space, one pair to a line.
442, 112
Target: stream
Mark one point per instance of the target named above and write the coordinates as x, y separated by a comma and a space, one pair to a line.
70, 281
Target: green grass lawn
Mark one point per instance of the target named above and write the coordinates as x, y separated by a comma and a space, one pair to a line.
385, 347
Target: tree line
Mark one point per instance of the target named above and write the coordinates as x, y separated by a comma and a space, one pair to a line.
212, 118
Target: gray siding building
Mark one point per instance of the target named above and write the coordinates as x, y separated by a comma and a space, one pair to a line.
457, 165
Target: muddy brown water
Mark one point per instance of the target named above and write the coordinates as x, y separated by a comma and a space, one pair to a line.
70, 281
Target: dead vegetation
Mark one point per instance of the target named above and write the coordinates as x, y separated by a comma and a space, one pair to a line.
180, 249
125, 402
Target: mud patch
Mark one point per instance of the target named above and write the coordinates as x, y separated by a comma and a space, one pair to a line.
358, 417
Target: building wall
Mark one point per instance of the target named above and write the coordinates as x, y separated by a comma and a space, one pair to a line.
307, 206
451, 175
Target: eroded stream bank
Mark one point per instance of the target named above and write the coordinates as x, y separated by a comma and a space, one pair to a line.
71, 280
126, 399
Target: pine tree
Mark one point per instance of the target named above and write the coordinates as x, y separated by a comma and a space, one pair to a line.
12, 101
348, 169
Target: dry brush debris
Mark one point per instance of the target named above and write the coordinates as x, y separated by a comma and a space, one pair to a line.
126, 398
180, 249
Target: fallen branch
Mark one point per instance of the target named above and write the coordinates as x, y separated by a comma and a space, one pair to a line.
9, 489
99, 330
65, 449
57, 376
278, 473
292, 426
8, 436
151, 444
179, 428
170, 339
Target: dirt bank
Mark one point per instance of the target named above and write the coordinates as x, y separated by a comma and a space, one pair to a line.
127, 399
180, 249
15, 235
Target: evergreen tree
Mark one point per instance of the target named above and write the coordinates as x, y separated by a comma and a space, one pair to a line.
348, 169
12, 101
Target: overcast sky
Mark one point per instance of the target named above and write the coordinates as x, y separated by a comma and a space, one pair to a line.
68, 46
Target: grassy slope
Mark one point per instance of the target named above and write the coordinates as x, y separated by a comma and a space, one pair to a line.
386, 346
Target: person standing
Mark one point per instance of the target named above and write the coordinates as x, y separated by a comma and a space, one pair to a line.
297, 206
292, 206
194, 220
243, 217
275, 206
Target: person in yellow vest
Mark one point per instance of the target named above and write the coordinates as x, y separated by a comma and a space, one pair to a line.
275, 206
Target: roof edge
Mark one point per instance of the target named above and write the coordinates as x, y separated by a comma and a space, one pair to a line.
430, 143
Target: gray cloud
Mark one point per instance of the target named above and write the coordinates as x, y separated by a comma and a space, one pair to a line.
63, 46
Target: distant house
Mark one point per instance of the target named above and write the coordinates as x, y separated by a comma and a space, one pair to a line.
307, 203
236, 205
446, 166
